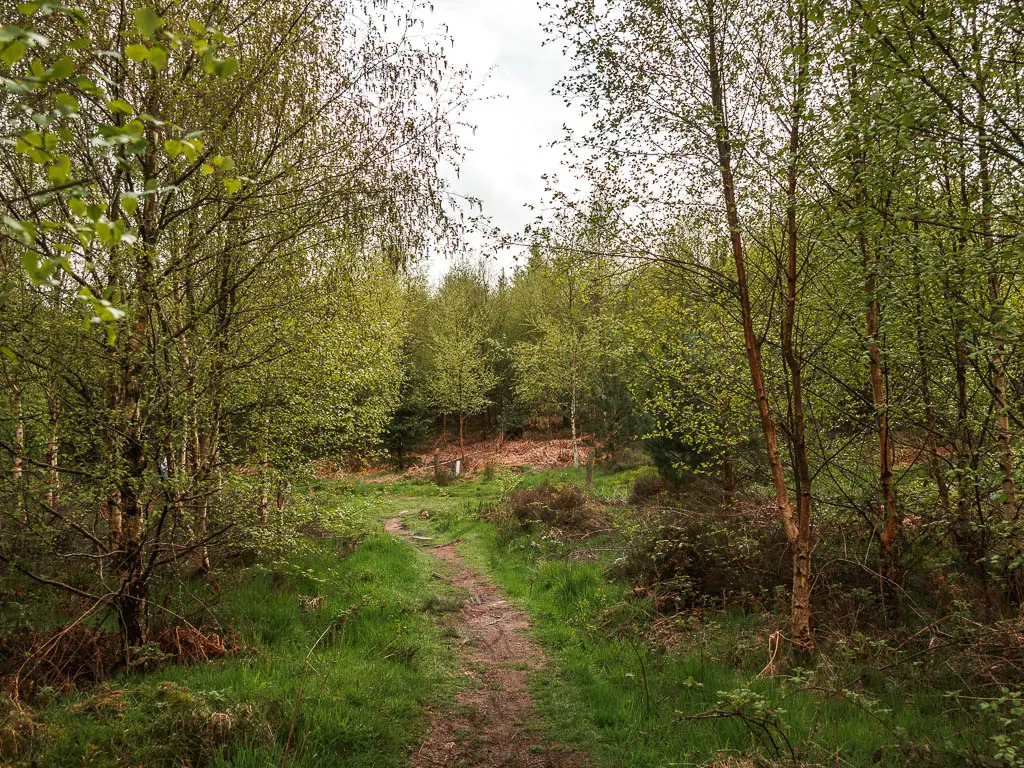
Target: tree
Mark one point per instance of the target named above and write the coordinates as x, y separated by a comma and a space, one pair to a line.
192, 193
459, 375
671, 84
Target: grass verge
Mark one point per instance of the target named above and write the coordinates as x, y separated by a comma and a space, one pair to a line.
618, 693
340, 660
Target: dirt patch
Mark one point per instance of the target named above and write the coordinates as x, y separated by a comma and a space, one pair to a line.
491, 723
496, 454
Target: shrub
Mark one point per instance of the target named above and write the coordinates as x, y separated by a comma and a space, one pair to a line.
560, 506
684, 559
646, 487
553, 505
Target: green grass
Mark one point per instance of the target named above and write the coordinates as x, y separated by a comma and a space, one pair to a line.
627, 703
381, 659
385, 654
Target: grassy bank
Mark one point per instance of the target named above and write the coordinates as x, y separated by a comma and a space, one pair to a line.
340, 655
635, 690
342, 651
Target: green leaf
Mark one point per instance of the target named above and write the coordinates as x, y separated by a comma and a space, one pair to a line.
63, 68
60, 171
137, 52
206, 169
77, 206
225, 67
173, 147
120, 105
158, 57
13, 52
232, 185
27, 9
147, 21
23, 231
88, 86
129, 204
66, 104
39, 272
80, 44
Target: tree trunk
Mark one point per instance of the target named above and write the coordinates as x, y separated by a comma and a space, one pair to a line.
264, 473
572, 420
997, 365
801, 635
462, 444
750, 341
18, 447
888, 518
935, 464
794, 533
132, 575
968, 541
968, 533
52, 448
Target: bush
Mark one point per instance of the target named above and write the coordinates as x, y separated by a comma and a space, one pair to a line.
553, 505
559, 506
646, 487
683, 560
628, 455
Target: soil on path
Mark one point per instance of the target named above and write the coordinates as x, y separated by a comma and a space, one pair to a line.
490, 722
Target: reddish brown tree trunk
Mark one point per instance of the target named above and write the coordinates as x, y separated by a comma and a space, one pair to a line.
797, 529
888, 517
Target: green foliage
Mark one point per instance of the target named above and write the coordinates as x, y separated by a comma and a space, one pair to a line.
232, 214
356, 699
1007, 710
458, 376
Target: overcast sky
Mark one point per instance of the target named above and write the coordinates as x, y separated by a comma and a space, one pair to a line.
508, 153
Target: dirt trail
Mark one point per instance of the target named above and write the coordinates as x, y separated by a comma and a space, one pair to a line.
490, 723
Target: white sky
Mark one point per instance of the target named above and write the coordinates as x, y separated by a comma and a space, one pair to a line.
508, 153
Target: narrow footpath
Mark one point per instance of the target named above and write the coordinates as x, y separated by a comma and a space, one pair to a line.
493, 721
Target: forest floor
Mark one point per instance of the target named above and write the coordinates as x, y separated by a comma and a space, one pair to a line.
441, 637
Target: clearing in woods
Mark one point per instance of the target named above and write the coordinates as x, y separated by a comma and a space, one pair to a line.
492, 722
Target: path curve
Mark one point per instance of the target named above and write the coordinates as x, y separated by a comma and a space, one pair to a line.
490, 723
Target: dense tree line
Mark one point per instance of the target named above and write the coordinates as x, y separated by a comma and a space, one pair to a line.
803, 266
205, 205
839, 187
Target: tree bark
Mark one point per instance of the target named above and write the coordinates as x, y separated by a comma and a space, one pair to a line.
888, 518
462, 444
931, 420
572, 420
52, 449
802, 637
18, 447
132, 591
997, 364
798, 535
